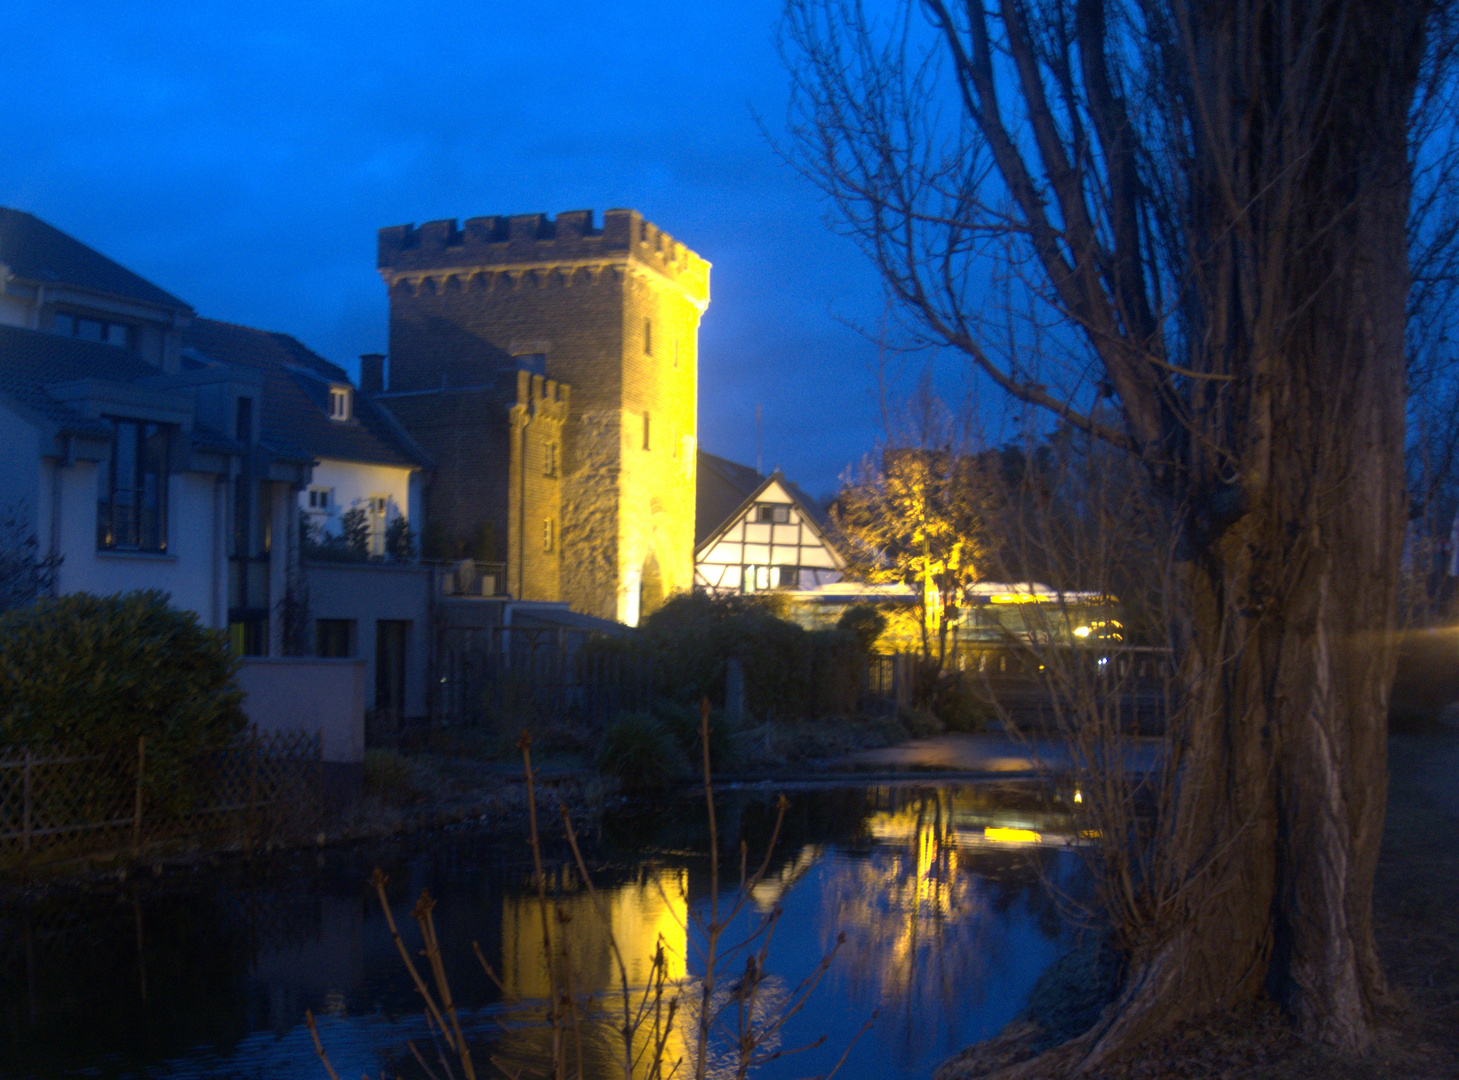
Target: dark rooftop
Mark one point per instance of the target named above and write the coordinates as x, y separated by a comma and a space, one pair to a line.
31, 360
296, 385
42, 253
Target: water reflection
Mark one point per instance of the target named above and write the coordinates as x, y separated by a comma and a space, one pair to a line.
947, 926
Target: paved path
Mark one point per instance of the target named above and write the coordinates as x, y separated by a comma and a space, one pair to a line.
977, 754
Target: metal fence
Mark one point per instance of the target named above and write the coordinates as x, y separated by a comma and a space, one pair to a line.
508, 676
115, 801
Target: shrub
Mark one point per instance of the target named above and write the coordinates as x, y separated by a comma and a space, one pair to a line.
790, 672
682, 720
641, 752
400, 541
919, 723
86, 673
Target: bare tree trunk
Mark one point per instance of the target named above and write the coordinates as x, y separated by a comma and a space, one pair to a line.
1215, 195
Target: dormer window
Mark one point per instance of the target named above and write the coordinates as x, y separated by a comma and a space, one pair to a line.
106, 331
339, 402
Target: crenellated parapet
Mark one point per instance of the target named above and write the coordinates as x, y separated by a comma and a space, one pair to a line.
540, 399
537, 251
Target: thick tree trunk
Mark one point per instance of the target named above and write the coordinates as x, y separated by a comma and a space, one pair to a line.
1270, 850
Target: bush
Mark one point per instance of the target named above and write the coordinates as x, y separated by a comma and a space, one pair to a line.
86, 673
641, 752
790, 672
920, 723
682, 720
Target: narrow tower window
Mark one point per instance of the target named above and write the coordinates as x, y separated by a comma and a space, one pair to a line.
645, 430
648, 337
549, 535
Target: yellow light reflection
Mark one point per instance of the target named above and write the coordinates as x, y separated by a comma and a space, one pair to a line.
1011, 836
639, 914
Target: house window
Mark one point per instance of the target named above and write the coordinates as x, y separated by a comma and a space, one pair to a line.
648, 337
549, 535
131, 512
773, 513
111, 333
549, 459
787, 577
339, 402
645, 430
320, 499
377, 505
334, 638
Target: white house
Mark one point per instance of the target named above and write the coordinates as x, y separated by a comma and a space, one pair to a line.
755, 533
148, 448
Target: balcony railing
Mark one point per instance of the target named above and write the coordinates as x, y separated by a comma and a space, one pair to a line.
468, 578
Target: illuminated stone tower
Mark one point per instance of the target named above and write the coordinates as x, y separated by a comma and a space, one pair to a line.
614, 313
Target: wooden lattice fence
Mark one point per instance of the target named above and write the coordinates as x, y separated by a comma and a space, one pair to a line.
114, 801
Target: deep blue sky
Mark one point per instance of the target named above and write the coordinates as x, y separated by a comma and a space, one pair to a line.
243, 155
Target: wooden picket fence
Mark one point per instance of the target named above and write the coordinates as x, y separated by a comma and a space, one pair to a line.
104, 803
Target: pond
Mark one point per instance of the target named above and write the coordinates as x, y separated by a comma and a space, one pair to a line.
944, 894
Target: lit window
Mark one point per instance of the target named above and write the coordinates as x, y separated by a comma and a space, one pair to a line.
131, 510
773, 513
339, 403
549, 535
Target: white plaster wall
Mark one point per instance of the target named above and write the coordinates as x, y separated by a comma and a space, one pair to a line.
308, 694
353, 482
190, 570
365, 593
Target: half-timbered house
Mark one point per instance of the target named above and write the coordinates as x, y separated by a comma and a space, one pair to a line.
756, 533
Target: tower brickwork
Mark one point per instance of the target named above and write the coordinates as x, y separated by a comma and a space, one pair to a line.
613, 311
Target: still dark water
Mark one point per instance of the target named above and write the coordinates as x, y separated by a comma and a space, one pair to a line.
941, 892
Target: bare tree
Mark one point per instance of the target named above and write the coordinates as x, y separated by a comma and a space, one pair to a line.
1206, 205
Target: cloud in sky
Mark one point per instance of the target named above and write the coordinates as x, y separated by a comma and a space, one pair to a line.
242, 156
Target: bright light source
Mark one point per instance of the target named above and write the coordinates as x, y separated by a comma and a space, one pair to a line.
1078, 796
1081, 631
1103, 660
1011, 836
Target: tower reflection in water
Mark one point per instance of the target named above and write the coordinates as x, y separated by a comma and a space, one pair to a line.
939, 891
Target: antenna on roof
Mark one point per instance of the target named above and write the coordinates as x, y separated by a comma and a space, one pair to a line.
759, 440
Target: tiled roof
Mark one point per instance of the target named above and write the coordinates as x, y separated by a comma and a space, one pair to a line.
39, 252
722, 485
31, 360
296, 397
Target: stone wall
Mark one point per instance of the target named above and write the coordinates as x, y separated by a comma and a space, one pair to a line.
613, 311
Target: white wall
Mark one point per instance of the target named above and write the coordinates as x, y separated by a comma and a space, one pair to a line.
308, 694
365, 593
189, 572
352, 483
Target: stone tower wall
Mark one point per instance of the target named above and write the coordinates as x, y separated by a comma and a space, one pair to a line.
534, 502
466, 300
468, 437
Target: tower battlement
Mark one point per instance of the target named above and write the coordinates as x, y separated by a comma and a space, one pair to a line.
438, 248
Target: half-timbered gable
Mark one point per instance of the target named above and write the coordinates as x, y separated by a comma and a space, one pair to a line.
771, 540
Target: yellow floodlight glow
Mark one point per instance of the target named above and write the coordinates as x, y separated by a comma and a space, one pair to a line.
1011, 836
1014, 598
1081, 631
1078, 796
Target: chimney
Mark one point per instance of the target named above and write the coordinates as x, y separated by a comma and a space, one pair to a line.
372, 373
